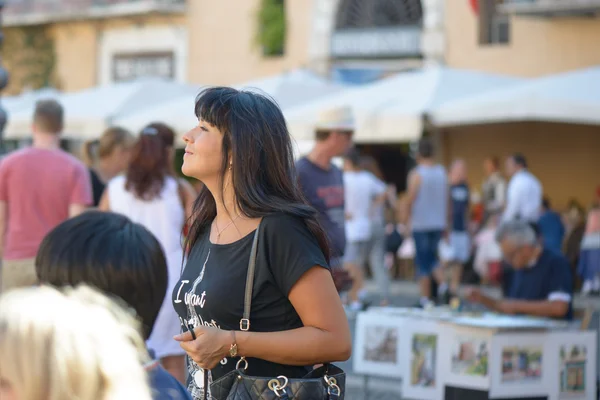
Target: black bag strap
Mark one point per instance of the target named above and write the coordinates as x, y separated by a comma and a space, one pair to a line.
245, 321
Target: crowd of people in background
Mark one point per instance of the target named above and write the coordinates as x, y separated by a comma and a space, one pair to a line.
132, 248
127, 225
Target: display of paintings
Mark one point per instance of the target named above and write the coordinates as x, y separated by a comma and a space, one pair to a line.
465, 356
420, 353
522, 364
423, 360
575, 357
470, 356
376, 348
519, 365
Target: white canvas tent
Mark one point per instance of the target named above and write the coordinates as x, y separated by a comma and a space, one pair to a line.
392, 109
89, 112
294, 87
572, 97
286, 89
28, 99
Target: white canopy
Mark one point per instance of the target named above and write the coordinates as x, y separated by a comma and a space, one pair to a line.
392, 109
89, 112
572, 97
287, 89
28, 99
293, 88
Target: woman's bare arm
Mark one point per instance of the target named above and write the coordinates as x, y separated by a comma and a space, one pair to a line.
325, 336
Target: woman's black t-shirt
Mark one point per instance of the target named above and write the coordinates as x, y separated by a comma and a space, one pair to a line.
211, 289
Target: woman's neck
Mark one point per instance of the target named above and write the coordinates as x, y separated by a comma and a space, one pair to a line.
106, 170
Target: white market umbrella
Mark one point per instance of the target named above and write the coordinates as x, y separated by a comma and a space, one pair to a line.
572, 97
89, 112
294, 87
392, 109
27, 100
286, 89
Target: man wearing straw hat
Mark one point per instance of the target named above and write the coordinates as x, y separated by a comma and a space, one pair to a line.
322, 182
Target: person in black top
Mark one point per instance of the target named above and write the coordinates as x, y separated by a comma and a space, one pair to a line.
107, 157
241, 150
541, 284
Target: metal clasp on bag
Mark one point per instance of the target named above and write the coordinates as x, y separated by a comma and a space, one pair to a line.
333, 389
244, 324
276, 386
240, 361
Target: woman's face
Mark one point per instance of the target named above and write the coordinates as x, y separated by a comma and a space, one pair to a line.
203, 152
6, 390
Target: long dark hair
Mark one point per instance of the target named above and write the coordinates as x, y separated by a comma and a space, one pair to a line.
148, 167
256, 139
167, 135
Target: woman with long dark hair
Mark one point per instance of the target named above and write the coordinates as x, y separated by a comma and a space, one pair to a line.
187, 192
149, 195
241, 150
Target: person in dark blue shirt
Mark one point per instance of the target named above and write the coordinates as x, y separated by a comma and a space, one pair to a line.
541, 284
120, 258
551, 227
459, 240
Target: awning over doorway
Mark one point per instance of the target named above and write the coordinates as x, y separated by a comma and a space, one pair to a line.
572, 97
392, 110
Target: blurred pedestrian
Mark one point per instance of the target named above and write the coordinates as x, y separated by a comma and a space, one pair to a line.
385, 238
107, 157
459, 239
589, 257
40, 187
322, 182
493, 189
524, 194
363, 194
187, 192
149, 195
427, 202
77, 345
122, 259
551, 227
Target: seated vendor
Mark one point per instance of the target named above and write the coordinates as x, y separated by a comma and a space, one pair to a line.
541, 284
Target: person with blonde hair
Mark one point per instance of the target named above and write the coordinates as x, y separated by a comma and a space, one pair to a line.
77, 345
107, 157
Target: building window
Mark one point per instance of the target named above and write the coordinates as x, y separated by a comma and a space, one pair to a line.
378, 13
272, 27
494, 27
128, 66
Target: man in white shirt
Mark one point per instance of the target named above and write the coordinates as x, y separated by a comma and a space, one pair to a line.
362, 191
524, 194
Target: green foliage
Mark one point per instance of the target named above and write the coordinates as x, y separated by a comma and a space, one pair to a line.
30, 57
272, 27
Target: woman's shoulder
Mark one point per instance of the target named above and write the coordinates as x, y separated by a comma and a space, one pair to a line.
286, 227
117, 181
282, 220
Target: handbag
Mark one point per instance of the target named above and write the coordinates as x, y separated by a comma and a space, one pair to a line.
325, 383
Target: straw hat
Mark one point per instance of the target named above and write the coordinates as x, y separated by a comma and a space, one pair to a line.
335, 119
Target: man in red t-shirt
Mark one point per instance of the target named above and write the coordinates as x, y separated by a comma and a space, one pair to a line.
40, 187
